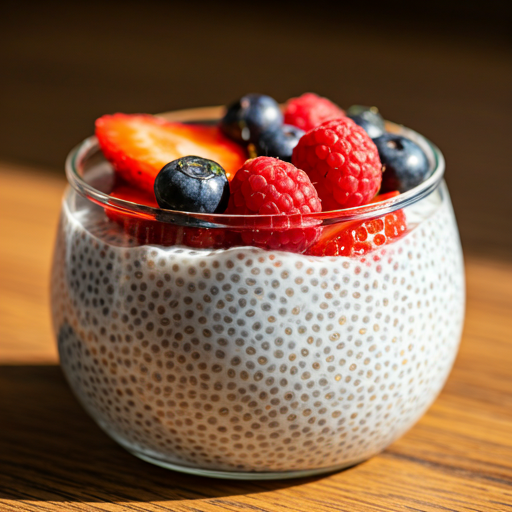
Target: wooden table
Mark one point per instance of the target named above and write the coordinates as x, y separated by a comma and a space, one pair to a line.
54, 458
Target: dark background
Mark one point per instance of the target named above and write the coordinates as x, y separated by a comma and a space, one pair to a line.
443, 68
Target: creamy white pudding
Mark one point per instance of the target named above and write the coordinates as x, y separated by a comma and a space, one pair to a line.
245, 360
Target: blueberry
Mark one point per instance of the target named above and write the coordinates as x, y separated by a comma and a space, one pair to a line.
367, 118
192, 184
279, 142
250, 116
405, 163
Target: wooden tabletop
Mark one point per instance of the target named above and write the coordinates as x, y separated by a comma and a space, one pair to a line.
53, 457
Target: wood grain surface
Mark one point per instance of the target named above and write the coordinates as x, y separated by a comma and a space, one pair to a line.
54, 458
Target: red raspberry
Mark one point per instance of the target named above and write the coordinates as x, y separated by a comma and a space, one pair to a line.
310, 110
269, 186
342, 162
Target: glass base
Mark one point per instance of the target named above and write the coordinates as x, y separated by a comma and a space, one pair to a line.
243, 475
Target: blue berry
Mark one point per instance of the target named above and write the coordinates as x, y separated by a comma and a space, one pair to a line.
405, 163
368, 118
279, 143
250, 116
192, 184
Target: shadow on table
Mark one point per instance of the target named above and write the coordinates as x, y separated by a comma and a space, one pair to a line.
50, 450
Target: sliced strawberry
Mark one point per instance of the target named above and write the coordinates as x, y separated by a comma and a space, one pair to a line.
149, 231
139, 145
144, 229
356, 238
379, 198
134, 195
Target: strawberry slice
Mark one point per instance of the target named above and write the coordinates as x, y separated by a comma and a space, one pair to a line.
134, 195
356, 238
139, 145
379, 198
149, 231
144, 229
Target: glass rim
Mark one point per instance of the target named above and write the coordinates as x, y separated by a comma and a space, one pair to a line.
90, 147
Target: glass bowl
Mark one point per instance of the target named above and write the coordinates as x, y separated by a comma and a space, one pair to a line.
241, 362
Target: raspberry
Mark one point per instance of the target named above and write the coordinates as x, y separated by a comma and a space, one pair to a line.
310, 110
268, 186
342, 162
359, 238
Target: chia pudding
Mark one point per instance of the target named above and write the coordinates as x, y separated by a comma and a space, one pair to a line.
247, 362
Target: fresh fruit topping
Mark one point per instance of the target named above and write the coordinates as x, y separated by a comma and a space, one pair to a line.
128, 192
310, 110
368, 118
147, 230
359, 238
133, 195
140, 226
139, 145
341, 161
250, 116
268, 186
279, 143
192, 184
405, 163
379, 198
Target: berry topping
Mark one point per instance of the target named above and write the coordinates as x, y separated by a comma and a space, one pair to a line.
268, 186
149, 231
405, 163
341, 161
358, 238
279, 143
192, 184
310, 110
133, 195
368, 118
250, 116
140, 227
139, 145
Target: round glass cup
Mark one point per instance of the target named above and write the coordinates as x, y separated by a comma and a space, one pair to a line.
201, 354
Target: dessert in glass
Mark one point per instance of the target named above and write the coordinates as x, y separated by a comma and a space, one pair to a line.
256, 345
